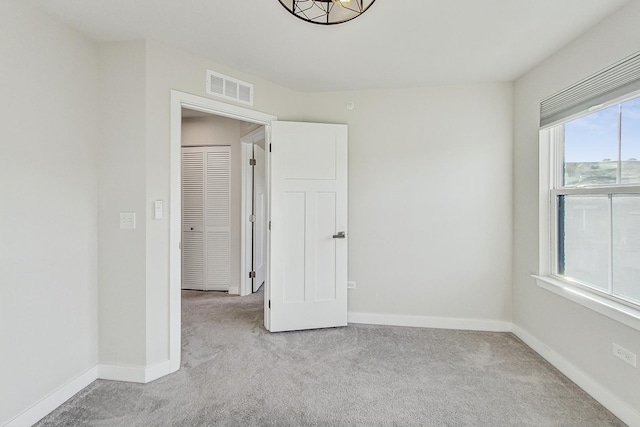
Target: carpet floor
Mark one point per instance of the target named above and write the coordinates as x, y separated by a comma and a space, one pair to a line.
235, 373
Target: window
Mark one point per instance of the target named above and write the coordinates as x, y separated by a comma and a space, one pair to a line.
594, 201
589, 198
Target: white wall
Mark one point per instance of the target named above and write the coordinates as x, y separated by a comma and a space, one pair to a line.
429, 199
216, 130
122, 185
48, 207
210, 130
576, 334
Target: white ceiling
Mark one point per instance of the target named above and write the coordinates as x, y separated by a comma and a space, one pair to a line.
396, 43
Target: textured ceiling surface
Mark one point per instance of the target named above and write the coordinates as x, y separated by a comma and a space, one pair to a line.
395, 44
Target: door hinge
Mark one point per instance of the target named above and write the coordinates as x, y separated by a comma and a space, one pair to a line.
252, 218
269, 147
269, 303
252, 162
252, 275
269, 225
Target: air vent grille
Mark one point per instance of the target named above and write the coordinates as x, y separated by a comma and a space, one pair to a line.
216, 85
229, 88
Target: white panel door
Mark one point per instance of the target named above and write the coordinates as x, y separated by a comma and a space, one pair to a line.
308, 246
206, 218
260, 212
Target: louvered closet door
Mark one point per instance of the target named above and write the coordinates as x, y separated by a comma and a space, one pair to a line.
218, 218
193, 218
206, 218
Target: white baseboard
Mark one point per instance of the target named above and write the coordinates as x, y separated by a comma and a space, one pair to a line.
621, 410
55, 399
121, 373
133, 374
234, 290
105, 372
430, 322
157, 371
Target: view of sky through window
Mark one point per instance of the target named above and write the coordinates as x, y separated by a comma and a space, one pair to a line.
594, 137
593, 145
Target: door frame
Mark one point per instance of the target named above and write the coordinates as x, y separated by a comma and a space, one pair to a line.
246, 243
181, 100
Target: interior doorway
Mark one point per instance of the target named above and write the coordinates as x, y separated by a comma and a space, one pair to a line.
180, 101
223, 203
310, 159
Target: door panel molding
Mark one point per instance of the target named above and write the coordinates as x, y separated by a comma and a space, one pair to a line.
308, 265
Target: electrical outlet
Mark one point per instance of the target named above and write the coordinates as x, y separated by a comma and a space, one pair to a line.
624, 354
351, 285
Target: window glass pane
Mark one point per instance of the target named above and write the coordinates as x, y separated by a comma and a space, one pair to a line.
626, 246
591, 148
584, 239
630, 135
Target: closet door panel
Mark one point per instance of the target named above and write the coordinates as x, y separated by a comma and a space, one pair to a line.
218, 217
192, 261
218, 260
218, 187
193, 184
206, 218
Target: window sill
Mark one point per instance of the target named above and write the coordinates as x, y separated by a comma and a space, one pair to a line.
619, 312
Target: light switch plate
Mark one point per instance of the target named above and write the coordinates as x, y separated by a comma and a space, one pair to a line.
158, 211
127, 220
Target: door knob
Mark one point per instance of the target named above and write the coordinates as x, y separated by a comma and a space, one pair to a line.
340, 235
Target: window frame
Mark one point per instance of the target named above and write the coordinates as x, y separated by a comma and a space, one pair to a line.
551, 174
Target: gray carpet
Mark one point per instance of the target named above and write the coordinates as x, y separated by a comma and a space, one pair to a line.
234, 373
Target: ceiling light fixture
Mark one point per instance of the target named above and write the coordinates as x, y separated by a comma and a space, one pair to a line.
326, 12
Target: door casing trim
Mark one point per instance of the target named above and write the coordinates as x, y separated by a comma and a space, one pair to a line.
180, 100
245, 235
